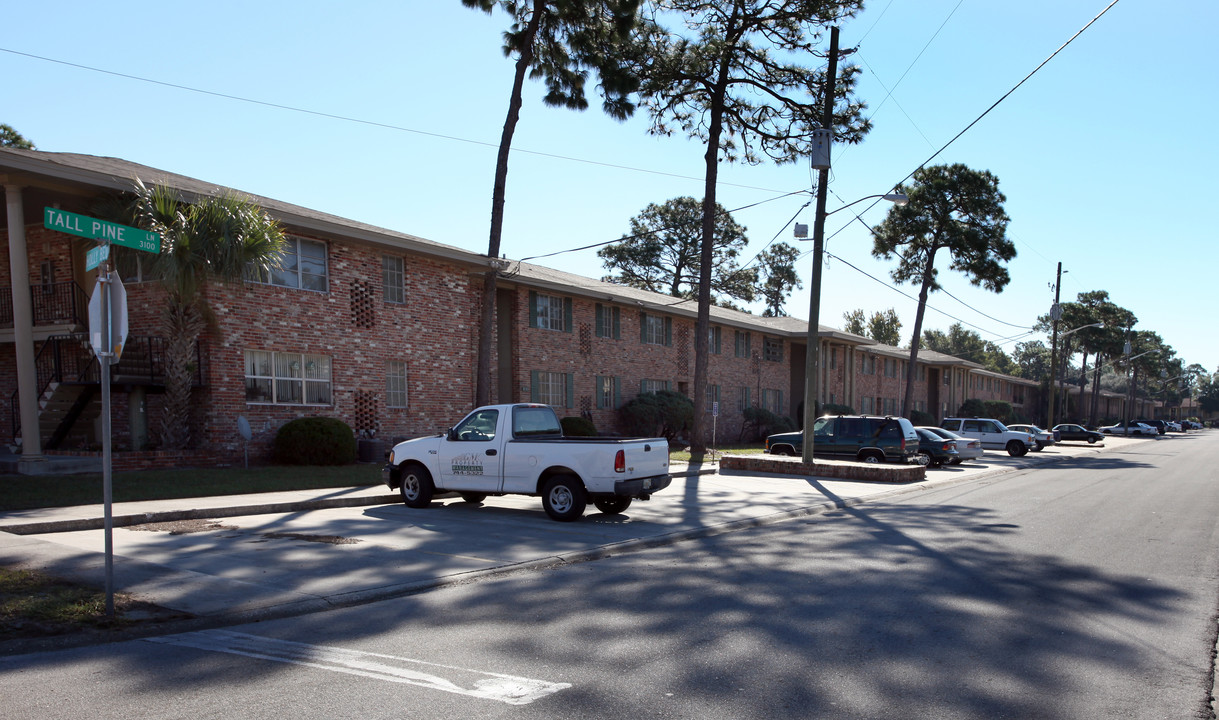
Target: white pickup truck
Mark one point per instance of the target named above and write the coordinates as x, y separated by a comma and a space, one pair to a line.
520, 449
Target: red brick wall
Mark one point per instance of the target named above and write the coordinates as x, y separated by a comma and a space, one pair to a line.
587, 356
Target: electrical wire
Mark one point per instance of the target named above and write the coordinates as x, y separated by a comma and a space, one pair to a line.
370, 123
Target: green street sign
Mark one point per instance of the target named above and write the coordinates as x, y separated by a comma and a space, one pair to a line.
96, 256
87, 227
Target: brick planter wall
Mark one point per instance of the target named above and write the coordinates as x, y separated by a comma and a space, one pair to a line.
840, 470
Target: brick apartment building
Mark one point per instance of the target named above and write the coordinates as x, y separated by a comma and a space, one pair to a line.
379, 328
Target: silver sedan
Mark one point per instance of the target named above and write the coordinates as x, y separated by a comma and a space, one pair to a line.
968, 448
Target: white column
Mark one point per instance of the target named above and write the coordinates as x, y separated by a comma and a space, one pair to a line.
23, 327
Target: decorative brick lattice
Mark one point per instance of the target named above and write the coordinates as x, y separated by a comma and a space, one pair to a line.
586, 339
366, 412
363, 307
586, 406
683, 350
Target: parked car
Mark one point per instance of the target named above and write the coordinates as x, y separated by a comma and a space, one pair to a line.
967, 448
1131, 429
1076, 433
853, 437
1174, 426
993, 434
521, 450
1041, 437
1160, 426
935, 451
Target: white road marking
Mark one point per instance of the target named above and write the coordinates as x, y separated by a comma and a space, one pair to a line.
473, 683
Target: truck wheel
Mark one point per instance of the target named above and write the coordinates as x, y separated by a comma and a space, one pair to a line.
871, 457
473, 498
417, 487
785, 450
563, 498
612, 506
1015, 448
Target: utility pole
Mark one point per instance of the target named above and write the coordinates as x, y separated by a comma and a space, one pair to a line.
1055, 313
812, 359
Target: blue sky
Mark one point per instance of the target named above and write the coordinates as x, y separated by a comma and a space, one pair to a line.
1100, 154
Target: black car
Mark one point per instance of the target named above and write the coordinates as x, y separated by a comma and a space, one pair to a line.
934, 450
1076, 433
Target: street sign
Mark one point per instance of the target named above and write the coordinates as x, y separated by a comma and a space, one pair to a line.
96, 256
108, 341
95, 229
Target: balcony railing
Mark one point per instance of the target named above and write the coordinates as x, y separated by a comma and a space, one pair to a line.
62, 303
70, 359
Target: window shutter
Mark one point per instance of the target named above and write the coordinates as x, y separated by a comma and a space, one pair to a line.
668, 332
533, 385
533, 309
570, 382
597, 392
617, 393
643, 327
599, 319
616, 314
567, 314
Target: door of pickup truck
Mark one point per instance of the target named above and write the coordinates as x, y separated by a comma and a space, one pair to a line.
469, 457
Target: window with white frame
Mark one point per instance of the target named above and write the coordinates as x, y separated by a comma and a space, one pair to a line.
287, 378
395, 384
548, 312
607, 392
551, 388
302, 264
772, 400
713, 396
608, 321
741, 344
656, 330
713, 340
651, 386
393, 279
865, 406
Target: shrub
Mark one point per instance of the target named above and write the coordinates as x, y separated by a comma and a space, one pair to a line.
576, 426
315, 441
665, 413
973, 407
760, 422
999, 410
921, 419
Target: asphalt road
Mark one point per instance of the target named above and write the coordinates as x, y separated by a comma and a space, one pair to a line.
1084, 589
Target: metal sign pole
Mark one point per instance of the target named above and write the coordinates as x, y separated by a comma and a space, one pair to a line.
103, 360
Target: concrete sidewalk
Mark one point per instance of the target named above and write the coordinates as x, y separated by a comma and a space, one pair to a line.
283, 554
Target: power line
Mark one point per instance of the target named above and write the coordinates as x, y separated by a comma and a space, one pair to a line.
360, 121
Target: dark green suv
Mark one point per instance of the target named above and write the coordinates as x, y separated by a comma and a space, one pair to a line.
853, 437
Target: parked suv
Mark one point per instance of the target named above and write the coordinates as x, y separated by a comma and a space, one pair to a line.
853, 437
993, 434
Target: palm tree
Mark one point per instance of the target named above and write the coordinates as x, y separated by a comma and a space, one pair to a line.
215, 238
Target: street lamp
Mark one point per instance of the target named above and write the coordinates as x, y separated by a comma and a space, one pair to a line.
1049, 421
